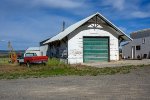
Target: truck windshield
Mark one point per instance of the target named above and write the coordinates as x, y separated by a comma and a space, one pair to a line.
30, 54
20, 56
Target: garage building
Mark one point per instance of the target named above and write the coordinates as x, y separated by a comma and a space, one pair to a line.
93, 39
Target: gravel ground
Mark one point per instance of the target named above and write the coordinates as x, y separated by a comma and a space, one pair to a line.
132, 86
119, 63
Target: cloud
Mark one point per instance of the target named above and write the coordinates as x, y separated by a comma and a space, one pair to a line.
126, 9
31, 30
65, 4
140, 14
27, 22
116, 4
2, 40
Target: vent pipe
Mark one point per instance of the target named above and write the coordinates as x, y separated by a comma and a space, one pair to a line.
63, 27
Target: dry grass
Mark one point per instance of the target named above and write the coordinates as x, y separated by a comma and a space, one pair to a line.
12, 68
55, 68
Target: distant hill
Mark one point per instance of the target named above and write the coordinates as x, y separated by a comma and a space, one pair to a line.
5, 52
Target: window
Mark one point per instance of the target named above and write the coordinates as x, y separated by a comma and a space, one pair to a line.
30, 54
138, 47
143, 41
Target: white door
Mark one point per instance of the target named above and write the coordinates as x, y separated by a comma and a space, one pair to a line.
133, 52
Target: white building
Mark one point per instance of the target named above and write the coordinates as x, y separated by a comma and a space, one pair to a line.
93, 39
139, 48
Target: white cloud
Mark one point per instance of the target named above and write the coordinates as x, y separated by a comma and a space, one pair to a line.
140, 14
2, 40
58, 3
31, 31
126, 9
117, 4
28, 4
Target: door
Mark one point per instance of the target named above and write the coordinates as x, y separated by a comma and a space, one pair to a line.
95, 49
133, 52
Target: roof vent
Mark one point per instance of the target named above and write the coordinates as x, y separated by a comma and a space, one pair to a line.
63, 27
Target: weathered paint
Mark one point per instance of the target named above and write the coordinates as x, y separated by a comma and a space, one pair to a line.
75, 42
43, 50
95, 49
68, 44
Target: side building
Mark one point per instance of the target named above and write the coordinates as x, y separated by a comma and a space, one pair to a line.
93, 39
139, 48
44, 48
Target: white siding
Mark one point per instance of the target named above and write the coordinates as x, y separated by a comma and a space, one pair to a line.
43, 50
145, 48
126, 51
75, 42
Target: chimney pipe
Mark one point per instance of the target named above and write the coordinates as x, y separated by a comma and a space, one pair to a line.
63, 26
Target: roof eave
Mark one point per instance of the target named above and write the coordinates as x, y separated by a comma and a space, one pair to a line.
115, 27
103, 18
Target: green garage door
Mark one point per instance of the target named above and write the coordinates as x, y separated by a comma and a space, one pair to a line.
95, 49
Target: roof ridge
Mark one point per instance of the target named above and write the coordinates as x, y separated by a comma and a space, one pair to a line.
142, 30
76, 25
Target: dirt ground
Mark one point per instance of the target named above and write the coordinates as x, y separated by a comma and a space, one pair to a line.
132, 86
119, 63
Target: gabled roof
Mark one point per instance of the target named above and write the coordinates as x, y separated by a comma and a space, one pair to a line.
73, 27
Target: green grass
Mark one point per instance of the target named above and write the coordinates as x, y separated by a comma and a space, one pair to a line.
54, 62
4, 61
55, 68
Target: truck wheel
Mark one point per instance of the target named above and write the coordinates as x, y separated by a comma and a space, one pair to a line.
44, 64
20, 64
28, 64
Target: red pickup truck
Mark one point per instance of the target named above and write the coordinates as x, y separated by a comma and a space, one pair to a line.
32, 58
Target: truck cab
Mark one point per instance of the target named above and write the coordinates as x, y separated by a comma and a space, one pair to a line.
32, 58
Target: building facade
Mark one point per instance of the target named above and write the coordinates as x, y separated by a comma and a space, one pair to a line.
139, 48
93, 39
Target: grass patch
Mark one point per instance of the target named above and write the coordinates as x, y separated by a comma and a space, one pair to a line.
55, 68
55, 62
4, 61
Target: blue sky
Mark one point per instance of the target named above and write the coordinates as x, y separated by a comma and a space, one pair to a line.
26, 22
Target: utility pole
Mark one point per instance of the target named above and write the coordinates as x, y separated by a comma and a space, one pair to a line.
12, 53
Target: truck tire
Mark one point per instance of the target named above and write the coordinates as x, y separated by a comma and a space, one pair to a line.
28, 64
44, 63
20, 64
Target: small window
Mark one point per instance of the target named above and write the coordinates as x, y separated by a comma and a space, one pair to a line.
138, 47
34, 54
30, 54
143, 41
